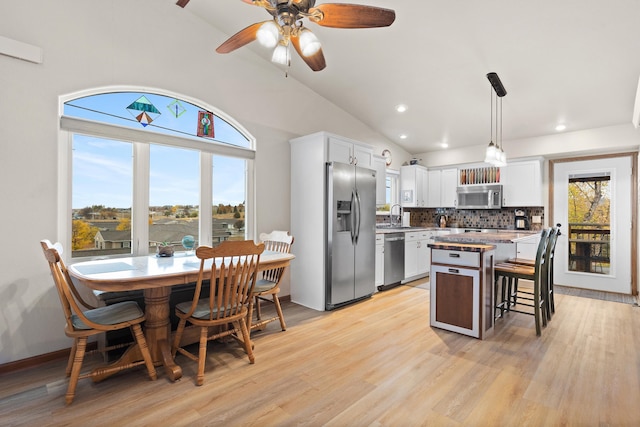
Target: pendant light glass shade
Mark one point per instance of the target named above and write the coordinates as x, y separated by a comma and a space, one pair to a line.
490, 154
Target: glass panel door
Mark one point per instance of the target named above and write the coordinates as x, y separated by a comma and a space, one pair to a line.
592, 202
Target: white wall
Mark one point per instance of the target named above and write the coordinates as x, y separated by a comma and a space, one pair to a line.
592, 141
149, 43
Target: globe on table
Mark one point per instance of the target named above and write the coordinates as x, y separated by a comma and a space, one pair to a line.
188, 242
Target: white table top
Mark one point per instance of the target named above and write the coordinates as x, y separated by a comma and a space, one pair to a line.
141, 272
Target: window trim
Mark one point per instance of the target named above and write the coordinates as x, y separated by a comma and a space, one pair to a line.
141, 140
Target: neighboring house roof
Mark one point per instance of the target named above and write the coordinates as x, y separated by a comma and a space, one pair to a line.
171, 231
113, 235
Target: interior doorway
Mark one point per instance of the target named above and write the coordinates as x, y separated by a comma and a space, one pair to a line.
594, 199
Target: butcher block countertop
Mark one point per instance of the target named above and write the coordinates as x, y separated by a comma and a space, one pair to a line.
464, 247
487, 238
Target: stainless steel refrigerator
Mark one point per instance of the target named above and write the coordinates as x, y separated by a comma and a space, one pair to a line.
350, 234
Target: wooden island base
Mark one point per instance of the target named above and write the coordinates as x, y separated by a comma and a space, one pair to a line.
462, 297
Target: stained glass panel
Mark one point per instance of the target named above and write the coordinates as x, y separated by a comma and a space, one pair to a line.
145, 110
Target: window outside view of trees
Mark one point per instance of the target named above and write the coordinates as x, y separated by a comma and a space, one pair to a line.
589, 224
106, 173
391, 191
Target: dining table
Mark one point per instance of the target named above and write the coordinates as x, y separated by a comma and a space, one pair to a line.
155, 276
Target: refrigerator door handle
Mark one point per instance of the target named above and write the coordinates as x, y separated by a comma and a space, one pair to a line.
357, 217
353, 217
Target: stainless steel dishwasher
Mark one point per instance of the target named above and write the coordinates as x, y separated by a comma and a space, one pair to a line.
393, 260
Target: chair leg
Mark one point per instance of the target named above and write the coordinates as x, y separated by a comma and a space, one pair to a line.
503, 295
552, 304
276, 302
513, 292
250, 314
136, 330
246, 339
536, 307
258, 310
202, 355
178, 337
81, 345
495, 297
497, 290
72, 355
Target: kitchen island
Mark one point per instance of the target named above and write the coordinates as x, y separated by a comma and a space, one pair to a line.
461, 283
506, 241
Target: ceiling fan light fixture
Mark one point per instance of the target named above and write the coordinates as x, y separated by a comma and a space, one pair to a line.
281, 54
309, 43
268, 34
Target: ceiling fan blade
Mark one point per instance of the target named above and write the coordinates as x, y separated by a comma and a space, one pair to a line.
240, 38
352, 16
183, 3
316, 61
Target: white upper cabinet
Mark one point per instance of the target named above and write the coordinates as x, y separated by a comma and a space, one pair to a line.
522, 183
413, 186
448, 188
350, 152
441, 188
380, 167
433, 188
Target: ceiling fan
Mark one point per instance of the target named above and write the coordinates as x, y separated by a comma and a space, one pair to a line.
286, 27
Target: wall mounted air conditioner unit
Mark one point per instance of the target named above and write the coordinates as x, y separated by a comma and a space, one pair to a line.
636, 108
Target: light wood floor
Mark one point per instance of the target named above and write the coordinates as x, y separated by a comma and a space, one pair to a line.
375, 363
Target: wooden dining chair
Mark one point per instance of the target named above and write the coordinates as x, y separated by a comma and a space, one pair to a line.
80, 325
513, 297
269, 283
232, 277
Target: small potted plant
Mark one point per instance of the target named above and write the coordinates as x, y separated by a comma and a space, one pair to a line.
165, 249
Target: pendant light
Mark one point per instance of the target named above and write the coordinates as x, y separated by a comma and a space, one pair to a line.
495, 154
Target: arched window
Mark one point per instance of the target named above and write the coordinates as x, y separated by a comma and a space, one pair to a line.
147, 168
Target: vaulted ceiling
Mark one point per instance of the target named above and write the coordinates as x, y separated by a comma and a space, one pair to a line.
571, 62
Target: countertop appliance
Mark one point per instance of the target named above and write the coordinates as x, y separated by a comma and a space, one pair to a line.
521, 220
350, 234
393, 260
479, 196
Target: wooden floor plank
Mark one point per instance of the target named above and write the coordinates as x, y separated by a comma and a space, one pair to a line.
374, 363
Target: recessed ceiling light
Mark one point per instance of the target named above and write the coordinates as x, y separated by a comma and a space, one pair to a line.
561, 127
403, 136
444, 145
401, 108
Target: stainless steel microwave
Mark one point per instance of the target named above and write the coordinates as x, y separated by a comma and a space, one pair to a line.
480, 196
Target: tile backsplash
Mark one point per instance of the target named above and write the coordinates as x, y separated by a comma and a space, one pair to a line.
481, 218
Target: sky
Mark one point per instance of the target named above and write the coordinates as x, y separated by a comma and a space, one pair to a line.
103, 168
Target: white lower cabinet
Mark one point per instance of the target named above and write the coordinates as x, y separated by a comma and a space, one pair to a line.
527, 247
379, 277
416, 254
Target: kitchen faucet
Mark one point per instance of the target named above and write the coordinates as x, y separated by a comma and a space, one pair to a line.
391, 213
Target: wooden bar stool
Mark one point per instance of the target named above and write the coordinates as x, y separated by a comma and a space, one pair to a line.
513, 298
550, 254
